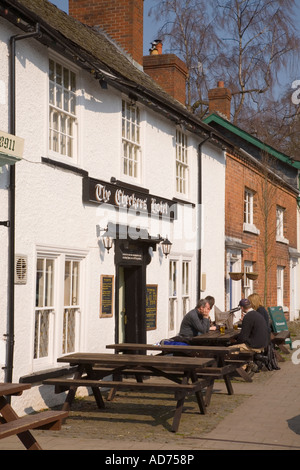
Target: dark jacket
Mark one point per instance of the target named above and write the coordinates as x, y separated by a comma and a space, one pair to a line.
193, 324
265, 314
254, 331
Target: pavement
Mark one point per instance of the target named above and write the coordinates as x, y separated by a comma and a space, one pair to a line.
267, 419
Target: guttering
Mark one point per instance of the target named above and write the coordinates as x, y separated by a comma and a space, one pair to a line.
10, 335
199, 214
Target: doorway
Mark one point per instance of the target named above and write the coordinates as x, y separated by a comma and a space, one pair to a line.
131, 325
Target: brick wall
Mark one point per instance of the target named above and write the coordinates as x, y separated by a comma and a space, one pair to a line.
121, 19
240, 173
220, 100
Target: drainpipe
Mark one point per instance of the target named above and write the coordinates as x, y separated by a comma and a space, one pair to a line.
10, 336
199, 213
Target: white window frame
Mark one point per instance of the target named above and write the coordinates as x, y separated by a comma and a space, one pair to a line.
248, 283
186, 286
249, 225
60, 256
173, 294
38, 360
182, 164
280, 211
280, 285
180, 291
68, 116
131, 154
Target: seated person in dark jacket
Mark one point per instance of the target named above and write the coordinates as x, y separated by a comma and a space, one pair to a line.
196, 322
257, 305
254, 335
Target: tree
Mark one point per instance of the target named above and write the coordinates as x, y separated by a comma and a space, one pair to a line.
259, 40
245, 43
188, 28
266, 207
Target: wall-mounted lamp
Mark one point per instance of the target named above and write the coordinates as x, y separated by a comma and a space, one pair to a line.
166, 246
103, 83
107, 240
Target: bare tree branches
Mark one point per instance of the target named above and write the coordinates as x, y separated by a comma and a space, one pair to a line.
247, 44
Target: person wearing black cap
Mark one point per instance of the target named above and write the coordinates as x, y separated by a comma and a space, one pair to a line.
254, 335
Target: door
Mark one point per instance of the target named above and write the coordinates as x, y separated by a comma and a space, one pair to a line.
132, 321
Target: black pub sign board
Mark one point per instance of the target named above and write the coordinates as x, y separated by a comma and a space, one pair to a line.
126, 197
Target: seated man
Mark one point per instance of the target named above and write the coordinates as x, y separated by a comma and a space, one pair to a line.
254, 335
196, 322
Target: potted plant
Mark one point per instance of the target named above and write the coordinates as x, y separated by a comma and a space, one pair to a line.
236, 276
252, 276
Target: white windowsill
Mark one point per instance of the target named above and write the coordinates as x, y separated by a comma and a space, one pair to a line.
282, 239
250, 228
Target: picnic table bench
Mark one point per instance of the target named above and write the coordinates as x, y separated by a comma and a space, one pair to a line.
220, 370
279, 340
180, 372
11, 424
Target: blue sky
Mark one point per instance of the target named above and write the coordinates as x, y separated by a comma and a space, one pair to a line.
151, 28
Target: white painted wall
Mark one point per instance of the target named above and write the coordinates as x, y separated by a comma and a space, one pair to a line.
51, 217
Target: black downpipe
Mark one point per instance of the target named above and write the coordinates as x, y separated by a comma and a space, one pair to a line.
199, 213
10, 336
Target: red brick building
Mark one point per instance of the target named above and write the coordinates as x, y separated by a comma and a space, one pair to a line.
260, 215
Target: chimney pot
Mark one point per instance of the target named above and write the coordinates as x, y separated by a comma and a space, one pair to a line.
220, 100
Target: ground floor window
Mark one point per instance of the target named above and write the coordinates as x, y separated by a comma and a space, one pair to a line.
179, 292
57, 315
280, 285
248, 283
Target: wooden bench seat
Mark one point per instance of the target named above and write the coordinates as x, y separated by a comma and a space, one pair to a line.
44, 420
180, 390
62, 385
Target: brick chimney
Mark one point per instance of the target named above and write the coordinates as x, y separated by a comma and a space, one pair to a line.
220, 100
122, 20
167, 70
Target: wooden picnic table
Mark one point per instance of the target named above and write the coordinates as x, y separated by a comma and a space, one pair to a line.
215, 338
180, 372
219, 353
11, 424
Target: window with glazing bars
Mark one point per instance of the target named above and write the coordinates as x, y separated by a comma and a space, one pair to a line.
181, 163
185, 287
62, 109
71, 305
131, 140
248, 206
172, 293
44, 306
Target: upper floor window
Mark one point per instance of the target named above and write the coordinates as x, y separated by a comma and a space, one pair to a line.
181, 163
280, 214
248, 206
131, 140
62, 109
249, 225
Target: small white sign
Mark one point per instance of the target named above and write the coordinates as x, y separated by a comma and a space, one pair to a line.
11, 145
